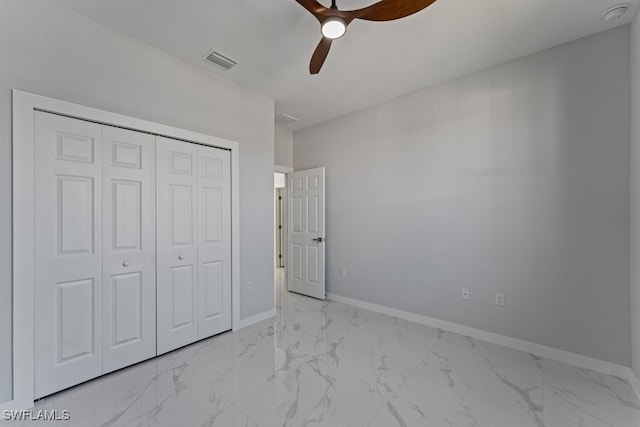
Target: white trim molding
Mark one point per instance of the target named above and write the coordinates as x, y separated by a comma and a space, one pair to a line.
257, 318
282, 169
24, 105
635, 382
503, 340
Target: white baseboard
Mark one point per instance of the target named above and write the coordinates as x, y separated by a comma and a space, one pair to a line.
517, 344
635, 381
255, 319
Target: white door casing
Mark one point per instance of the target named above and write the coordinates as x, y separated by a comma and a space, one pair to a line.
306, 228
214, 240
68, 252
129, 247
177, 246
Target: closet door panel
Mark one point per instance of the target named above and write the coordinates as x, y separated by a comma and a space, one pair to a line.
214, 240
177, 309
68, 253
129, 276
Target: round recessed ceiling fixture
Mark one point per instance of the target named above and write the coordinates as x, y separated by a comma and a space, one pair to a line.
616, 12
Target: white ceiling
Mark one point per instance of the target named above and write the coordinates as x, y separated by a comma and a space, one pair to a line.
273, 40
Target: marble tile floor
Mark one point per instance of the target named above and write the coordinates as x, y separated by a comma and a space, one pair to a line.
328, 364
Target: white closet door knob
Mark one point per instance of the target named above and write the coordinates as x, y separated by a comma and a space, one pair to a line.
180, 257
125, 264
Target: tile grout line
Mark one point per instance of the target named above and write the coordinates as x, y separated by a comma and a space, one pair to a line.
237, 408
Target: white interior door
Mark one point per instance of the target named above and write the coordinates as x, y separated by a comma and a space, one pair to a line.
214, 241
129, 247
306, 253
177, 272
68, 254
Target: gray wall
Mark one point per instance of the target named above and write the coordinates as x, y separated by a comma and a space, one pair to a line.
635, 194
514, 179
284, 147
51, 51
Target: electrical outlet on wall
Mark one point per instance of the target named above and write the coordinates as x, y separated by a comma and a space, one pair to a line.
343, 272
466, 294
500, 299
249, 286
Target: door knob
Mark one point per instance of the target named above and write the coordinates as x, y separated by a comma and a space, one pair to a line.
318, 240
125, 263
180, 257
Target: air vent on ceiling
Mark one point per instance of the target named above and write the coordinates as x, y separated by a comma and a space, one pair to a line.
285, 119
220, 59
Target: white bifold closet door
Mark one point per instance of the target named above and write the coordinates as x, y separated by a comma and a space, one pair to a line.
214, 241
177, 250
132, 248
95, 278
68, 252
129, 243
193, 242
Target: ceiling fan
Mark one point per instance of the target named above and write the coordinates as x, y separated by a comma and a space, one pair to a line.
334, 22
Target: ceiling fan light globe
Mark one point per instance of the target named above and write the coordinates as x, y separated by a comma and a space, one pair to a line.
333, 28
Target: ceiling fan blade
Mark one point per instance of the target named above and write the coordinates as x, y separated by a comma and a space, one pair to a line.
319, 55
314, 7
388, 10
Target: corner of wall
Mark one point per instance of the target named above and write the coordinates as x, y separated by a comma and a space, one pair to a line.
283, 147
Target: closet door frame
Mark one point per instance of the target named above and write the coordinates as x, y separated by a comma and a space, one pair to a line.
24, 106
